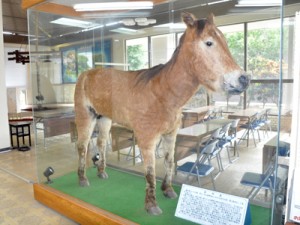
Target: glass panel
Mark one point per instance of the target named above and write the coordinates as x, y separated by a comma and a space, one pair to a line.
137, 53
84, 59
120, 48
263, 42
234, 35
162, 48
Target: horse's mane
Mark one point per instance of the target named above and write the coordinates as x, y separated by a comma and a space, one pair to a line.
146, 75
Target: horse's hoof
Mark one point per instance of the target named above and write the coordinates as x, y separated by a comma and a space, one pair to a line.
103, 175
84, 183
170, 194
154, 210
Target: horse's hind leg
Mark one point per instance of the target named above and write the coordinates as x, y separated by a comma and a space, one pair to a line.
168, 146
85, 124
104, 125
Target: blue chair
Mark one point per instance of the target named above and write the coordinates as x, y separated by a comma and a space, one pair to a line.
208, 116
250, 127
265, 122
215, 154
232, 139
199, 168
224, 142
260, 181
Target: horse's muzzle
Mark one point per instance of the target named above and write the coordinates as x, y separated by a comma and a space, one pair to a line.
243, 84
244, 81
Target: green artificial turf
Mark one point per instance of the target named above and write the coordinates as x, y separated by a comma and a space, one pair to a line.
123, 194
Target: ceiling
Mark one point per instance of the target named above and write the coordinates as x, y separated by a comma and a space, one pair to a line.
14, 21
15, 18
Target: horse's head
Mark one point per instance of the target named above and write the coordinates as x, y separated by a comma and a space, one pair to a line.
210, 58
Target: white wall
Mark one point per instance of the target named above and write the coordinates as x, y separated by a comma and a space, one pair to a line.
4, 128
15, 73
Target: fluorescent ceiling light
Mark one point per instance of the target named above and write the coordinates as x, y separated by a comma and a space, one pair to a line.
104, 6
124, 30
217, 2
74, 23
258, 3
7, 33
172, 25
111, 24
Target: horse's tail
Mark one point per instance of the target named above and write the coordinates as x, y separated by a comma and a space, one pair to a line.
79, 94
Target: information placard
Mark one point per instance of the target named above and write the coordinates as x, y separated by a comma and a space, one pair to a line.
208, 207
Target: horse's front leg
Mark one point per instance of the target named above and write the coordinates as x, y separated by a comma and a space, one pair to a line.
104, 125
148, 153
169, 146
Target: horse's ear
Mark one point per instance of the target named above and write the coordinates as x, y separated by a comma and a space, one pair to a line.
211, 18
188, 18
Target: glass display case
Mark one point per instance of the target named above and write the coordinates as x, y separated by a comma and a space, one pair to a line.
67, 40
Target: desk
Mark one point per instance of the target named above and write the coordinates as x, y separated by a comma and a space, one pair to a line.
122, 137
53, 123
245, 114
19, 129
194, 115
190, 137
269, 151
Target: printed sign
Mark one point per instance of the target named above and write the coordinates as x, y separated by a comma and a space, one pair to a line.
208, 207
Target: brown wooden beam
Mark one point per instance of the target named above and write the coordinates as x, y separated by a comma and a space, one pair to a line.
75, 209
29, 3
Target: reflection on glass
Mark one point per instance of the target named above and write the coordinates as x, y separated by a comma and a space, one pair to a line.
84, 59
69, 66
137, 53
162, 48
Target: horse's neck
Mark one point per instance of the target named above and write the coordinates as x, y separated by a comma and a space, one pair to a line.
181, 86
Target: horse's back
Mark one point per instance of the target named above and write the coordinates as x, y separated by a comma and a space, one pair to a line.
106, 90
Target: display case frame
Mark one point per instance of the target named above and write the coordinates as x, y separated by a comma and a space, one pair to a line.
57, 200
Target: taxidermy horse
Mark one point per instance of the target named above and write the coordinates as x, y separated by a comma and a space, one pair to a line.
150, 101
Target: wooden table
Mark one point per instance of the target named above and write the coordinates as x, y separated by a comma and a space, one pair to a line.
19, 129
194, 115
53, 123
190, 137
245, 114
123, 137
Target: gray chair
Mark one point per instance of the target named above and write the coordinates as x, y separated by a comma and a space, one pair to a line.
199, 168
261, 181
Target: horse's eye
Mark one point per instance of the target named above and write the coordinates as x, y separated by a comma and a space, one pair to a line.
209, 43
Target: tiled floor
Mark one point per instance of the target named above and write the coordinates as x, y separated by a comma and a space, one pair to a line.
18, 170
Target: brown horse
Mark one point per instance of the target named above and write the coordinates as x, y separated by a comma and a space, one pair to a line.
150, 101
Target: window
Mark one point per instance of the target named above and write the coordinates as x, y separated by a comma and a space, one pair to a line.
84, 59
234, 35
263, 49
137, 53
162, 48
